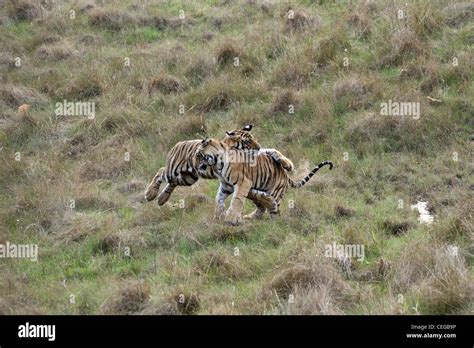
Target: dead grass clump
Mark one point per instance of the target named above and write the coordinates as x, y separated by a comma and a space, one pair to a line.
227, 52
299, 21
102, 18
131, 186
413, 265
79, 144
224, 233
319, 299
391, 133
447, 287
322, 276
78, 232
300, 211
425, 20
343, 212
195, 201
396, 228
404, 44
84, 87
5, 307
187, 302
458, 14
190, 125
166, 84
359, 20
7, 61
23, 9
327, 48
221, 265
352, 92
161, 309
93, 202
115, 166
131, 298
222, 94
295, 70
55, 52
199, 70
283, 101
460, 223
15, 96
110, 243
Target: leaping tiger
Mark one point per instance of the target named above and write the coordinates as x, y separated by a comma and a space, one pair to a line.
181, 168
240, 177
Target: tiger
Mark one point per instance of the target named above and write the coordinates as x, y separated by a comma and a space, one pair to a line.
181, 167
239, 177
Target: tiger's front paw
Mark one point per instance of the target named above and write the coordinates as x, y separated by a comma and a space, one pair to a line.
151, 193
233, 217
219, 214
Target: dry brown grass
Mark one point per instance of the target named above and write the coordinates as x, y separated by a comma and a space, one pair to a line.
282, 101
166, 84
187, 302
131, 298
396, 228
437, 277
360, 21
299, 21
458, 14
227, 52
371, 127
23, 9
342, 212
55, 51
221, 265
404, 43
14, 95
84, 87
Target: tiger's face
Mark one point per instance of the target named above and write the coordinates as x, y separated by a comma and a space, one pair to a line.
211, 151
241, 139
208, 154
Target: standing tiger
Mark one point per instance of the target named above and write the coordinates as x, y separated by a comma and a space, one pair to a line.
181, 167
260, 173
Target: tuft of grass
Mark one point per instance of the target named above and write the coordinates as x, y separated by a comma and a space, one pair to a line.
131, 298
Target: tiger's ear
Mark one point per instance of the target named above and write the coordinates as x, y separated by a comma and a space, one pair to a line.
229, 133
205, 141
247, 128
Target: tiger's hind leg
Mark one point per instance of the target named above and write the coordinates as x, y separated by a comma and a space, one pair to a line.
263, 201
154, 185
278, 157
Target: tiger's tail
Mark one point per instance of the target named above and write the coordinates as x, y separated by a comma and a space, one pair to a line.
303, 181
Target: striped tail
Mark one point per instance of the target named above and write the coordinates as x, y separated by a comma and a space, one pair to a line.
310, 174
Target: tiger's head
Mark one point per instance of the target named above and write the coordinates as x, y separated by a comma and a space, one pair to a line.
208, 154
241, 139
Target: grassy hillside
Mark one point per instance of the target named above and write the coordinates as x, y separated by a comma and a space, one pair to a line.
160, 72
